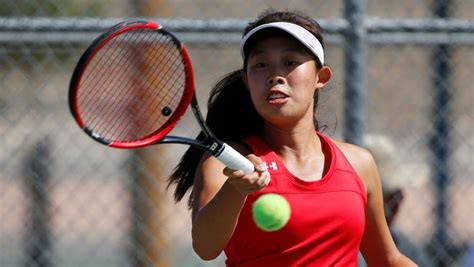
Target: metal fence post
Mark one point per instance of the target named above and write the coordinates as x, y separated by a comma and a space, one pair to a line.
147, 189
439, 142
148, 213
355, 60
37, 173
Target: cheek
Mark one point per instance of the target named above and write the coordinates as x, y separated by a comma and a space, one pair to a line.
303, 81
256, 86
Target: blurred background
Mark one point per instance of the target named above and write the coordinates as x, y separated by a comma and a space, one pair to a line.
402, 70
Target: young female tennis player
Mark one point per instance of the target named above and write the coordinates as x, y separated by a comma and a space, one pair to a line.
267, 111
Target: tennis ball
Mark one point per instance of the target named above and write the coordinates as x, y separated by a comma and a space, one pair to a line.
271, 212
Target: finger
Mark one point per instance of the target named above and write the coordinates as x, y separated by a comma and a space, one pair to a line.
233, 173
259, 164
268, 179
264, 179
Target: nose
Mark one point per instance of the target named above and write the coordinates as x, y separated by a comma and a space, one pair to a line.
275, 80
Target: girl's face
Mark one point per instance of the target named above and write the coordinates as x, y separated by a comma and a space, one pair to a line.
282, 78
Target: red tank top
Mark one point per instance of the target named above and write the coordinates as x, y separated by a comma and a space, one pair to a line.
327, 216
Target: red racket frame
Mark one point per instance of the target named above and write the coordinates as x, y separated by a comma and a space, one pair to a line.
91, 52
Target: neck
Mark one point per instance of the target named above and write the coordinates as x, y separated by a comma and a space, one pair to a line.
297, 141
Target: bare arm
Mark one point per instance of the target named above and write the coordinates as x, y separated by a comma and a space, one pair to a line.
219, 197
378, 246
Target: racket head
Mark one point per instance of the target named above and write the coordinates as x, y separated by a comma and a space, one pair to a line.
132, 85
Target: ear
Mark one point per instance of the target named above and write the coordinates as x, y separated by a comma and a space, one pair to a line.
324, 76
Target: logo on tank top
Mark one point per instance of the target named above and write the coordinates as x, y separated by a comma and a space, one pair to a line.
272, 165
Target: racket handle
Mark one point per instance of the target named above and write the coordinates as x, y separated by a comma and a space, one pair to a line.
234, 160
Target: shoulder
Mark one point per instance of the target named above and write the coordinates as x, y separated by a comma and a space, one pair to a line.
357, 156
362, 161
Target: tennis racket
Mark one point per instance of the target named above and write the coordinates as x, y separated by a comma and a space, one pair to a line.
131, 87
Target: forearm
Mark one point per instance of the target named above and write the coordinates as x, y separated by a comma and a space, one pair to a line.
214, 224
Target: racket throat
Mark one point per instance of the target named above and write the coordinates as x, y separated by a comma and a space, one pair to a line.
215, 147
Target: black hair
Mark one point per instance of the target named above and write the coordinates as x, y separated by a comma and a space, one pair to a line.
230, 104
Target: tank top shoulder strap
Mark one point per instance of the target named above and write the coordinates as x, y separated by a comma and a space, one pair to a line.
341, 162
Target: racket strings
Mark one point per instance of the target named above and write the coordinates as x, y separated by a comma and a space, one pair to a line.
140, 110
175, 82
174, 85
104, 90
106, 63
135, 128
129, 82
148, 114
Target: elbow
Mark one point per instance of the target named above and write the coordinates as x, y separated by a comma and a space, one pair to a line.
206, 257
205, 254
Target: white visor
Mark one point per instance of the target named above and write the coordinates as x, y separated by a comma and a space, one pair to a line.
300, 33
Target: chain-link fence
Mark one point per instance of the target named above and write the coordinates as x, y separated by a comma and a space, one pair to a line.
403, 69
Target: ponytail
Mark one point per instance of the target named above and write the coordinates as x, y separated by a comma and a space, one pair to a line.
231, 117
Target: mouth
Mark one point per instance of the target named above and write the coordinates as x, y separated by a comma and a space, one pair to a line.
277, 97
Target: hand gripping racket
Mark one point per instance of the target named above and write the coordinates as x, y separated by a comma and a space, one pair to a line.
131, 87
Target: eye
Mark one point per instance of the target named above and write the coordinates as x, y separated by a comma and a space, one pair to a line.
260, 65
291, 63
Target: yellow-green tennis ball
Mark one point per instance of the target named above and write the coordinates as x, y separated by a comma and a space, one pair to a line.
271, 212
